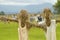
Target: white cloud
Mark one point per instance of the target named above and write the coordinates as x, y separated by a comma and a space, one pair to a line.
52, 1
1, 0
25, 2
16, 3
13, 3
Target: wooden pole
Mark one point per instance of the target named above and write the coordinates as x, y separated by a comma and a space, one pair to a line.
51, 31
22, 33
22, 30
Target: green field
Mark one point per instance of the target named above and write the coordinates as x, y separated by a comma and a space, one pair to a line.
10, 32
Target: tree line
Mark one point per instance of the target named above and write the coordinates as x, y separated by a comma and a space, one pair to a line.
2, 13
57, 7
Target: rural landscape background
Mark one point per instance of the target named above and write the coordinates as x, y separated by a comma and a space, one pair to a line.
9, 30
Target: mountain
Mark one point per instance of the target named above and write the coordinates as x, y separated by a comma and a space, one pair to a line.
30, 8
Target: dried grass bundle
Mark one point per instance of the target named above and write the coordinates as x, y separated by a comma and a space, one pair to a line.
23, 16
47, 14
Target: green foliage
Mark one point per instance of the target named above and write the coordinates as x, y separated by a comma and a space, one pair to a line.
57, 7
2, 13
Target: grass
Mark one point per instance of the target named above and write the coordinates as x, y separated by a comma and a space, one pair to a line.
58, 31
10, 32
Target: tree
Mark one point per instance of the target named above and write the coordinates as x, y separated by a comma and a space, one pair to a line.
2, 13
57, 7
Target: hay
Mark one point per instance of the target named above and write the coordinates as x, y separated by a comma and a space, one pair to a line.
47, 15
23, 16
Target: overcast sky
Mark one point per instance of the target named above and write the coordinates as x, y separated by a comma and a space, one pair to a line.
25, 2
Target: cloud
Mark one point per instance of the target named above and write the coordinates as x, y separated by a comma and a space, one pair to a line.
25, 2
17, 3
1, 0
